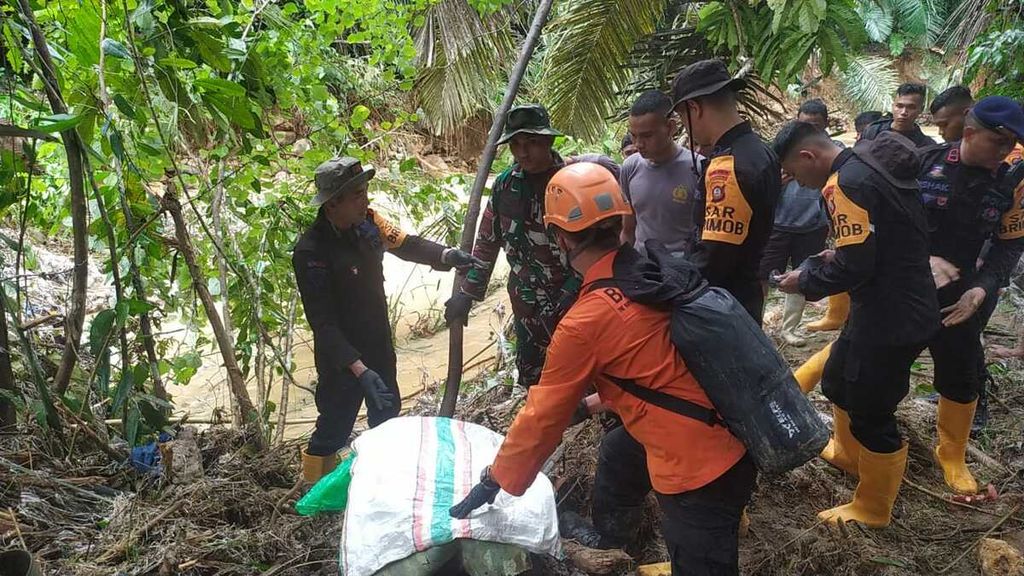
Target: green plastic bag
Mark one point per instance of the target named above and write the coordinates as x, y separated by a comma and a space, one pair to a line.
330, 494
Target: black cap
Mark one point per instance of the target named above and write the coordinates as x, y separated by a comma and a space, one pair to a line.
703, 78
527, 119
339, 175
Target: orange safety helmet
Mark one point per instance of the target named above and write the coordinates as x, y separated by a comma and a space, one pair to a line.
582, 194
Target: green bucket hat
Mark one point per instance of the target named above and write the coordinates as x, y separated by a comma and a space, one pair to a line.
527, 119
339, 175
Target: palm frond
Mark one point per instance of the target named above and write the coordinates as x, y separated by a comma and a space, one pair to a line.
877, 18
869, 82
965, 24
462, 60
583, 65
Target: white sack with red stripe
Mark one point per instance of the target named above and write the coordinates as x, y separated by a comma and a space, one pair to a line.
410, 471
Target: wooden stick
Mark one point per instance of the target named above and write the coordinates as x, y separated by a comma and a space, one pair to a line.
967, 550
247, 411
123, 545
454, 379
115, 454
17, 528
986, 460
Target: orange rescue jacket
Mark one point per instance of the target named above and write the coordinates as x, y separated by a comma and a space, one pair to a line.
604, 333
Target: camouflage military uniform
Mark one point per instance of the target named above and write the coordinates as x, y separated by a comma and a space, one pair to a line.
541, 284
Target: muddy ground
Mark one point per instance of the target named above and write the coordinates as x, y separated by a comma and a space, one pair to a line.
84, 515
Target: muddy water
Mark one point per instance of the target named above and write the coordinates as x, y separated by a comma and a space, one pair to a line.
420, 292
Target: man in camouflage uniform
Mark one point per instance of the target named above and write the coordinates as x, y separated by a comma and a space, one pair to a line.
541, 284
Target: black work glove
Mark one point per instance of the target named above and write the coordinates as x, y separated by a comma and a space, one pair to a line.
376, 390
461, 260
483, 493
456, 309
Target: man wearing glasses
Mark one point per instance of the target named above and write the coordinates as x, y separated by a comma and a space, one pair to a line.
968, 203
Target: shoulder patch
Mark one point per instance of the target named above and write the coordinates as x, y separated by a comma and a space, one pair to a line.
615, 298
727, 213
850, 223
392, 236
953, 155
1011, 227
1015, 156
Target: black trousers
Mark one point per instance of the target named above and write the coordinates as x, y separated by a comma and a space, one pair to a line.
338, 400
701, 527
790, 249
957, 351
868, 381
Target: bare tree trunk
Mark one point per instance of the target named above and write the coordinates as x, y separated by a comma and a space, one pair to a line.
246, 411
8, 416
454, 379
222, 266
282, 406
79, 219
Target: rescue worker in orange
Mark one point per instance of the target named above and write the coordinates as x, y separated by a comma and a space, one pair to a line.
739, 185
701, 474
881, 258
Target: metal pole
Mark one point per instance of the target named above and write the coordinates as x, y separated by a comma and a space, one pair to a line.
454, 380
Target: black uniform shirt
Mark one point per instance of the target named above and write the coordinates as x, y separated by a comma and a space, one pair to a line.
915, 135
881, 256
340, 276
734, 213
967, 206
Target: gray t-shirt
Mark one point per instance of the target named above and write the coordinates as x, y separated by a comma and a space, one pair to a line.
662, 196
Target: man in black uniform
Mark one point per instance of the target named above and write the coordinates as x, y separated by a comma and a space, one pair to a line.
338, 267
968, 203
735, 208
881, 259
906, 108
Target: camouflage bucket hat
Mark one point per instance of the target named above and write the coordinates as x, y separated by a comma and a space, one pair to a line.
339, 175
527, 119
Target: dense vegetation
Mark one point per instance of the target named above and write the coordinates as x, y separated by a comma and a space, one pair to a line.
172, 143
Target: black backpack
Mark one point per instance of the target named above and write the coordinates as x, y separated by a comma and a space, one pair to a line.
746, 379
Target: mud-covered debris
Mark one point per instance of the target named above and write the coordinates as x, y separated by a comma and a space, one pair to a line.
999, 558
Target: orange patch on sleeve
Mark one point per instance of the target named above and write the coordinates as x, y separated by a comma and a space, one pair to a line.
727, 213
850, 223
392, 236
1011, 227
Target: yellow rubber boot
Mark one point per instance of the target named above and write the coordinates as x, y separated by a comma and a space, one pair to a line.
843, 450
809, 373
316, 467
954, 425
880, 479
835, 317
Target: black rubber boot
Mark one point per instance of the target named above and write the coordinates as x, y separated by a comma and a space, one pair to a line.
981, 413
618, 526
572, 526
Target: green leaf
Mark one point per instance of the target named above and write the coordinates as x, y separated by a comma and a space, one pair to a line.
153, 411
205, 22
124, 387
177, 62
221, 86
359, 116
131, 424
124, 106
114, 48
59, 122
100, 328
